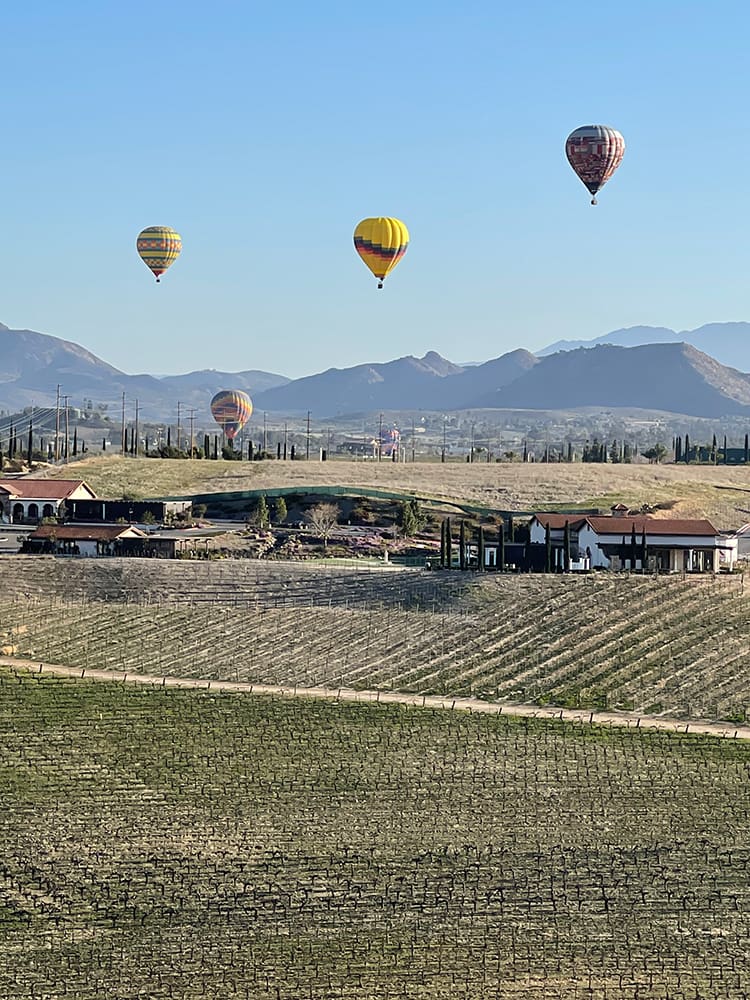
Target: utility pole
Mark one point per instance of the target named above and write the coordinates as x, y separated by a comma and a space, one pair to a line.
135, 449
307, 447
265, 433
380, 437
122, 432
67, 427
192, 439
179, 424
57, 425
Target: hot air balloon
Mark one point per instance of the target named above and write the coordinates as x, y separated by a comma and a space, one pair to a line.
595, 152
158, 247
231, 410
381, 243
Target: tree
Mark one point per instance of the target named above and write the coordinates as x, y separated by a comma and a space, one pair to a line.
448, 543
633, 546
655, 454
548, 549
261, 511
687, 448
501, 547
747, 449
279, 510
566, 547
462, 545
511, 529
480, 549
644, 550
322, 518
410, 518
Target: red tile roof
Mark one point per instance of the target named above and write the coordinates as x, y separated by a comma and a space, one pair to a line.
556, 521
606, 524
42, 489
652, 525
86, 532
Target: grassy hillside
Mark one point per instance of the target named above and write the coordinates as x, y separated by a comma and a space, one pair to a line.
163, 844
655, 646
721, 493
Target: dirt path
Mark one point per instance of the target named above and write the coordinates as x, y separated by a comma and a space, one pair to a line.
623, 720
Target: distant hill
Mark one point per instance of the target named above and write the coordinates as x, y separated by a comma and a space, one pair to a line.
729, 343
404, 383
33, 364
427, 383
672, 377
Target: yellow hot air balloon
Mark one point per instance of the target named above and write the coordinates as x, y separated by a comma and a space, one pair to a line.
158, 247
381, 243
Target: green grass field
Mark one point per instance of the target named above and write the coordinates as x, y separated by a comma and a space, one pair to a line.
176, 844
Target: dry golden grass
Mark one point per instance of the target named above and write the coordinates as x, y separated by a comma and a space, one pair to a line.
717, 492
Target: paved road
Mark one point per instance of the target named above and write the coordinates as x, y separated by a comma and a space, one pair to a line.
620, 719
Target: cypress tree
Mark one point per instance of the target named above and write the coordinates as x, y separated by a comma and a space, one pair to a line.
501, 547
442, 543
725, 449
206, 446
448, 543
511, 529
548, 549
570, 451
278, 450
29, 448
480, 549
566, 547
633, 546
644, 550
687, 448
249, 451
713, 449
169, 437
75, 441
104, 444
747, 449
678, 448
292, 453
462, 544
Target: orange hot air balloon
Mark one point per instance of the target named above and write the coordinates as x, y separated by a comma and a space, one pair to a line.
231, 409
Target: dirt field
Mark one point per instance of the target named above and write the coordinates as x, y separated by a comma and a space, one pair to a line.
717, 492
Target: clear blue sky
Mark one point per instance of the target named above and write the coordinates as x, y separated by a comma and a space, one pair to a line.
264, 132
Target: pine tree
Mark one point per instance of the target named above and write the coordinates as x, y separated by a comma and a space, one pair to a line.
279, 510
261, 511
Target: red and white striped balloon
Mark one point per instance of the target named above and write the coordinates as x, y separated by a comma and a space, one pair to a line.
595, 152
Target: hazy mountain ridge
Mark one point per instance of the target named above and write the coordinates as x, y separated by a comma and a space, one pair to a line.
668, 377
672, 377
728, 343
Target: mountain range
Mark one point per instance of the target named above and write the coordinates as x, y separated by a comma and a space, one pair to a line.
729, 343
668, 376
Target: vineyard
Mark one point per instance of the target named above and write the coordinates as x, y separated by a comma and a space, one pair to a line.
160, 843
652, 645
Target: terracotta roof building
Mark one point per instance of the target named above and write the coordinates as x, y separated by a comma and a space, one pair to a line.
27, 501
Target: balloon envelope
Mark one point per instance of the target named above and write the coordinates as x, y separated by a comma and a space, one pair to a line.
158, 247
595, 152
231, 410
381, 243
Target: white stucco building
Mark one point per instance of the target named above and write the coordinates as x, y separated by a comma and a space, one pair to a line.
616, 541
28, 501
